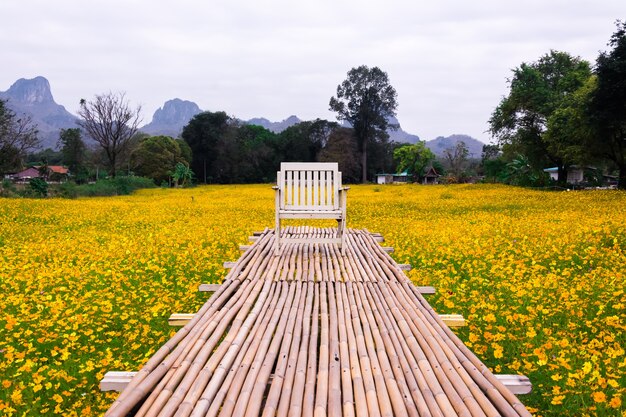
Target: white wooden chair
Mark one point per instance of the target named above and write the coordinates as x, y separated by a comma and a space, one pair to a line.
310, 190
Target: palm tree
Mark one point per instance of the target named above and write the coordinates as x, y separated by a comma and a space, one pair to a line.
183, 173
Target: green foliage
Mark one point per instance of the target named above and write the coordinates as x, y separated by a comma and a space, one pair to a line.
120, 185
157, 156
73, 151
342, 148
520, 172
304, 141
537, 90
413, 159
39, 187
367, 101
183, 174
203, 133
607, 108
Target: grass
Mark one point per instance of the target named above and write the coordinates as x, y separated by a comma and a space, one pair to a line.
88, 284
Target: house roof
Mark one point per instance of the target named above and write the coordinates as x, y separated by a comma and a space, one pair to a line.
58, 169
431, 172
28, 172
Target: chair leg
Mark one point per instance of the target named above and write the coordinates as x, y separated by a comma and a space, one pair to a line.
277, 238
341, 231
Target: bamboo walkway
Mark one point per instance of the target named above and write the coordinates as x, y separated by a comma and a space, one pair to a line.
314, 333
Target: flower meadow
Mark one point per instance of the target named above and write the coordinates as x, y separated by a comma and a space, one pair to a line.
87, 285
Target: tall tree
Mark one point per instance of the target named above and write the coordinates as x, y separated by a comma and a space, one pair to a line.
18, 135
112, 123
413, 159
519, 123
203, 133
607, 109
74, 152
366, 100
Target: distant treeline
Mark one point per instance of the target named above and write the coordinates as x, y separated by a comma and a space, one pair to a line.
225, 150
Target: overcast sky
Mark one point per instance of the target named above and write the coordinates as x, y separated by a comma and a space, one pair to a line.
448, 60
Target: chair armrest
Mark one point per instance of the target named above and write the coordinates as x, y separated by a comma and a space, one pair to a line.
344, 188
275, 187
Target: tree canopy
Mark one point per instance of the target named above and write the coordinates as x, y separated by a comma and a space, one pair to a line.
413, 159
537, 90
156, 157
366, 100
607, 107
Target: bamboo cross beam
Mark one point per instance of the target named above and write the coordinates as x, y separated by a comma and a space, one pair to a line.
425, 290
450, 320
209, 287
118, 380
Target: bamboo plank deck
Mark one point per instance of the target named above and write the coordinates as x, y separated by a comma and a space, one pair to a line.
313, 333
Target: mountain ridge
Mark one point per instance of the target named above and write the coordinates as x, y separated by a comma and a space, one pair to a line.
34, 97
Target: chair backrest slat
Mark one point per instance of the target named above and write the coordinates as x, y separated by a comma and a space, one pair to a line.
309, 185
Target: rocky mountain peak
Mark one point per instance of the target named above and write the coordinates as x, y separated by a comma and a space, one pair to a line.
176, 111
172, 117
35, 91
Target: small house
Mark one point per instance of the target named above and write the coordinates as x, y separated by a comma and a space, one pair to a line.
431, 176
402, 178
575, 174
54, 173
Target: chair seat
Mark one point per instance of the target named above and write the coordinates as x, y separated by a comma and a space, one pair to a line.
310, 214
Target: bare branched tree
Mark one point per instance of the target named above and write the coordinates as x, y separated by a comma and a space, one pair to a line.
18, 135
110, 121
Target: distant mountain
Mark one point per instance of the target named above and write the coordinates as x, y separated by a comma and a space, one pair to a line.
275, 127
33, 97
171, 118
400, 135
440, 144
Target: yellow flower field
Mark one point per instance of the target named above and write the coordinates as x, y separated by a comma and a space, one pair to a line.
87, 284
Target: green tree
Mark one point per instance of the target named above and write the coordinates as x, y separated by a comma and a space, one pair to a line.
18, 135
413, 159
304, 141
341, 147
111, 122
520, 172
366, 100
156, 157
537, 90
607, 109
182, 174
74, 153
570, 130
492, 164
203, 134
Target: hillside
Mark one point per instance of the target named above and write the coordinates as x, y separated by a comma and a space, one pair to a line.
34, 97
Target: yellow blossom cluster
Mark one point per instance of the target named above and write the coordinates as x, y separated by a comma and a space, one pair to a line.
87, 284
